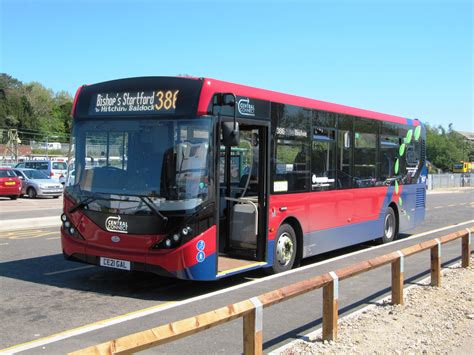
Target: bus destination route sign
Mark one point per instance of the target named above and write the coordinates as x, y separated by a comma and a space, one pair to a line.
134, 102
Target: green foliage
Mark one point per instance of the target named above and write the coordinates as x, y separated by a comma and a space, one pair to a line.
33, 107
287, 154
50, 152
446, 147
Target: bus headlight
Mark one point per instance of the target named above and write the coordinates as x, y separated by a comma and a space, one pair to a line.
69, 228
175, 239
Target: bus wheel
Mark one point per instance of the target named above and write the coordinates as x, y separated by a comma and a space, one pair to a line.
389, 226
285, 249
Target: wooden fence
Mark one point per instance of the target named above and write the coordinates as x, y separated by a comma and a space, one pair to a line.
251, 310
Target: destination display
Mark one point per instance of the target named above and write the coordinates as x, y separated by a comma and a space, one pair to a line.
155, 102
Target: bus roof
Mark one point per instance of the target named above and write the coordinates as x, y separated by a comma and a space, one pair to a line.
212, 86
198, 94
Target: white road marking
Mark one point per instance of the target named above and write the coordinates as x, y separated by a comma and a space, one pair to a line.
53, 238
3, 243
141, 313
439, 207
68, 270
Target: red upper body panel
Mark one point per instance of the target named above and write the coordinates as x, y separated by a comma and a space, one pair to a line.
212, 86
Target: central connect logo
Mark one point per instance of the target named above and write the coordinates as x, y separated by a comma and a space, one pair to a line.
246, 108
115, 224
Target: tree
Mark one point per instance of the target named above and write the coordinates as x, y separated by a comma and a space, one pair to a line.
34, 109
41, 100
443, 147
62, 110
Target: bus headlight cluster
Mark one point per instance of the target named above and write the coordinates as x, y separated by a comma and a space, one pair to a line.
174, 239
69, 227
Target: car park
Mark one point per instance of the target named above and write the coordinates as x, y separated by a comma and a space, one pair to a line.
53, 168
10, 184
37, 184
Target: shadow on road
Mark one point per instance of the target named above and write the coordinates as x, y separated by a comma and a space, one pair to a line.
138, 285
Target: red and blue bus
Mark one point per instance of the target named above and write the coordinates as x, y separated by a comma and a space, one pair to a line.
199, 179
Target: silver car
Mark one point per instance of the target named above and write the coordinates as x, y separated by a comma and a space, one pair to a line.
36, 183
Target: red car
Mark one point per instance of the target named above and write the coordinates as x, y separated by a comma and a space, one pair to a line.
10, 184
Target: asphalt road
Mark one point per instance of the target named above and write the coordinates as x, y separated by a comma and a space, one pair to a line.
42, 295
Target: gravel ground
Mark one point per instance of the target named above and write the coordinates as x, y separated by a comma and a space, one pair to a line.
432, 320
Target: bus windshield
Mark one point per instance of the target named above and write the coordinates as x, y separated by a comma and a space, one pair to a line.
166, 161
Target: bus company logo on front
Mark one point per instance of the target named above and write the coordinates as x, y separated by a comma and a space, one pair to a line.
115, 224
246, 108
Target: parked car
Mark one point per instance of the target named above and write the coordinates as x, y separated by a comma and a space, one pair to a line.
71, 178
36, 183
10, 184
52, 168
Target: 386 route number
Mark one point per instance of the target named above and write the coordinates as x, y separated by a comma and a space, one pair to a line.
166, 99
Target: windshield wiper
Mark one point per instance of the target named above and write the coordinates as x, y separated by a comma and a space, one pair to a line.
147, 201
83, 203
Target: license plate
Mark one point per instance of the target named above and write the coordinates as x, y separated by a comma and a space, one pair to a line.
10, 183
115, 263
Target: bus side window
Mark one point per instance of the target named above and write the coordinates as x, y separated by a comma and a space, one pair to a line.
387, 157
344, 164
323, 159
344, 151
365, 152
292, 148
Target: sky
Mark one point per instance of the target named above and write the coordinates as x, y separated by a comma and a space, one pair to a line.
411, 58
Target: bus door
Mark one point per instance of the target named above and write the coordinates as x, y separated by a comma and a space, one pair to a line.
243, 175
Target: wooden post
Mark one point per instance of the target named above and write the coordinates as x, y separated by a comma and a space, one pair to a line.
436, 264
330, 304
253, 335
397, 279
466, 249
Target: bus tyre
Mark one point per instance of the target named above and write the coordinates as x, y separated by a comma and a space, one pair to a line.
285, 249
31, 192
389, 226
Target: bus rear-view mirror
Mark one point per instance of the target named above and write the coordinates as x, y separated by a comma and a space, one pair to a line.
230, 134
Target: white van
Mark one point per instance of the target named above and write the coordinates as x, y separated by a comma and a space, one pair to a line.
52, 145
55, 169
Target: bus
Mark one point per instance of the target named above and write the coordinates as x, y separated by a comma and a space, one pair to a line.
201, 179
463, 167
